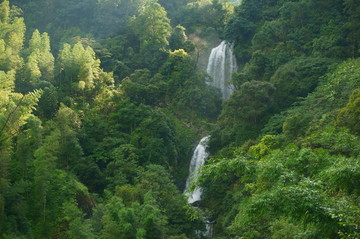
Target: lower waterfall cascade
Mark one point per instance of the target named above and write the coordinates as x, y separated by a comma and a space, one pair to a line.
197, 160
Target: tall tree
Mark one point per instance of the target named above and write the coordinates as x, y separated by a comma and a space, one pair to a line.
80, 75
12, 31
40, 62
15, 108
152, 27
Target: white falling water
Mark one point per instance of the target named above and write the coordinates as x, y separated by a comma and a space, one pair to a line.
209, 229
197, 160
221, 66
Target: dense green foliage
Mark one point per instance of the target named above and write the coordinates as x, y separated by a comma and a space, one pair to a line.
300, 183
86, 153
285, 153
102, 102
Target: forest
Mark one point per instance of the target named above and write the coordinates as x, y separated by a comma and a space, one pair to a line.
102, 103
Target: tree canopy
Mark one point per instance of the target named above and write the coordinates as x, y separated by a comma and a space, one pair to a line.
103, 101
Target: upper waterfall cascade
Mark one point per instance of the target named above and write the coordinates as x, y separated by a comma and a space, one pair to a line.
221, 66
197, 160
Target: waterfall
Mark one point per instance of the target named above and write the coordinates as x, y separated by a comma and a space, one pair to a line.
209, 229
222, 64
198, 159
